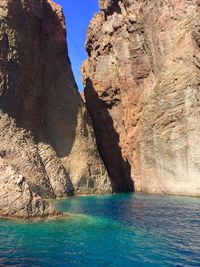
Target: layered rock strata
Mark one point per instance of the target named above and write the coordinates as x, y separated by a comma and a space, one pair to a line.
142, 84
47, 144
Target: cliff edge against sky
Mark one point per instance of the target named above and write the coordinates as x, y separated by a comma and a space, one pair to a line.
141, 80
142, 89
48, 148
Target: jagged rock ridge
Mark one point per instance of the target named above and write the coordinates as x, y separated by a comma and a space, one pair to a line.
48, 147
142, 83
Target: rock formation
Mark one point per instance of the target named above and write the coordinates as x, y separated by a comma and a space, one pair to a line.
142, 89
47, 144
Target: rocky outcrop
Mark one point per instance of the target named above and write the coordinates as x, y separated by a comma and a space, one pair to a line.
46, 135
142, 82
17, 200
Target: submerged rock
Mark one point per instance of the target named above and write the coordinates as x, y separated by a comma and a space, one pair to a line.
46, 134
142, 89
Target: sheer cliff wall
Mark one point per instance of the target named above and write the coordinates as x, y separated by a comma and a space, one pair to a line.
47, 143
142, 84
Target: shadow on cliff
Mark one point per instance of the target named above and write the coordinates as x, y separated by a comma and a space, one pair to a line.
107, 138
41, 93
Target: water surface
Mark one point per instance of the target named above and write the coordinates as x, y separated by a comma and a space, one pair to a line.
119, 230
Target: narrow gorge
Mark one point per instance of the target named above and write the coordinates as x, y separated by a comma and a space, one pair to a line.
138, 129
99, 143
142, 83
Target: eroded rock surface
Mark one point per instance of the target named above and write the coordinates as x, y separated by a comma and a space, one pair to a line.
46, 135
18, 200
142, 84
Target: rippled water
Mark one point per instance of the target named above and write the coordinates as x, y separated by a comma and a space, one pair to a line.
119, 230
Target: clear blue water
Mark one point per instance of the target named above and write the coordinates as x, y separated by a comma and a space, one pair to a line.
119, 230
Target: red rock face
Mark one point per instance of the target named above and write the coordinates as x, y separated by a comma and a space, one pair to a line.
142, 81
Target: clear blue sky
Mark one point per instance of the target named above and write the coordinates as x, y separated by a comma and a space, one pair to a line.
78, 15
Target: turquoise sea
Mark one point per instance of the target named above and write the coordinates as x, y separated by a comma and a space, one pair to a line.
118, 230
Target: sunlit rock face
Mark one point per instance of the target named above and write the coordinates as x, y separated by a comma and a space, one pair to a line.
142, 89
48, 147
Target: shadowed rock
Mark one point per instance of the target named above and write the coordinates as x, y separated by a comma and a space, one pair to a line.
142, 82
46, 134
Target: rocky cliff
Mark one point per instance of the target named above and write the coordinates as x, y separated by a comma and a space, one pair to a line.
142, 89
47, 144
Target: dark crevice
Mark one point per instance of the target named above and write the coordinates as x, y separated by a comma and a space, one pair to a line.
119, 169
